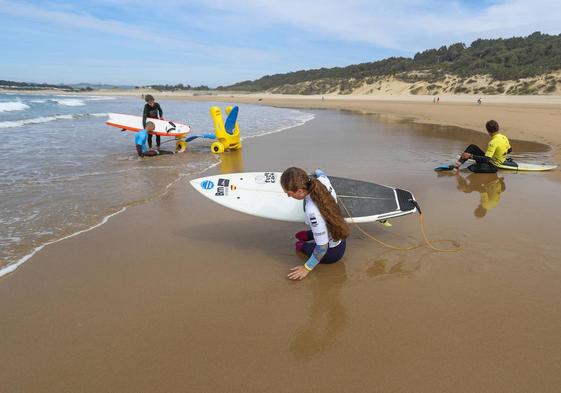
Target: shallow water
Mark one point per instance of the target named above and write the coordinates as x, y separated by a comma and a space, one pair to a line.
62, 169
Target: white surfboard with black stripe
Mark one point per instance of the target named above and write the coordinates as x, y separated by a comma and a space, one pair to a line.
260, 194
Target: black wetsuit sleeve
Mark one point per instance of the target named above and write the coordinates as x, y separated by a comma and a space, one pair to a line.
145, 115
160, 111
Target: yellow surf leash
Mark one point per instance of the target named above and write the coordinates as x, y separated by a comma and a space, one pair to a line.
428, 242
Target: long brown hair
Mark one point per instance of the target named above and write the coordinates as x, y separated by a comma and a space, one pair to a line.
294, 179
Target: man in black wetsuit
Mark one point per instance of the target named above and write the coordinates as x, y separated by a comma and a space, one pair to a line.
152, 110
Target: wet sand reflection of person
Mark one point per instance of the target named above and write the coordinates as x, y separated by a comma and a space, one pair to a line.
490, 187
328, 317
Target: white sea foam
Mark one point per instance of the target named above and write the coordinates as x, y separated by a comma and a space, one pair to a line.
10, 106
69, 102
306, 117
13, 266
100, 98
46, 119
36, 120
7, 269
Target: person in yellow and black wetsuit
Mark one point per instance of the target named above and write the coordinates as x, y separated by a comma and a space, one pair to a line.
487, 161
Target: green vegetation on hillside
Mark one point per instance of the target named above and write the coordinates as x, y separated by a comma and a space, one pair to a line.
12, 85
502, 59
178, 87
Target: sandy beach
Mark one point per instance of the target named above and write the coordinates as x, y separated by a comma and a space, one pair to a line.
142, 247
179, 294
531, 118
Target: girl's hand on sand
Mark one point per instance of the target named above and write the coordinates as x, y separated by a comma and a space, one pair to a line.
298, 273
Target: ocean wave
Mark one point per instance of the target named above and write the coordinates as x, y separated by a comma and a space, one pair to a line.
69, 102
46, 119
300, 119
10, 106
100, 98
9, 268
303, 119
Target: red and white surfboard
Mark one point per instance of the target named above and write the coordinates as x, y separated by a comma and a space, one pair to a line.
134, 124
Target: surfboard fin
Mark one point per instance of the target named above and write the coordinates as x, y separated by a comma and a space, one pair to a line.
386, 223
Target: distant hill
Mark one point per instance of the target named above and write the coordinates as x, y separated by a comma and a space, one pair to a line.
13, 85
518, 65
177, 87
74, 87
98, 86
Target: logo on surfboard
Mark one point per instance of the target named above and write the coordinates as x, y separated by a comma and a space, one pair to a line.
267, 177
207, 185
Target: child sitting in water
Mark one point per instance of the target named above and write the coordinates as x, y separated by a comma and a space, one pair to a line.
325, 242
140, 140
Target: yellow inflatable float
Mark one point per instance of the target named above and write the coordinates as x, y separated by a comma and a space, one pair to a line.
227, 133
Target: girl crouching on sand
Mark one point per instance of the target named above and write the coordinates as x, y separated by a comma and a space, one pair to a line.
325, 242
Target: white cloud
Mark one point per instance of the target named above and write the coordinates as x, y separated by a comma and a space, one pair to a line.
409, 25
256, 37
180, 39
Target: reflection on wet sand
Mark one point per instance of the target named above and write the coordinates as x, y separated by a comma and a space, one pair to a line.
392, 264
327, 318
232, 162
489, 185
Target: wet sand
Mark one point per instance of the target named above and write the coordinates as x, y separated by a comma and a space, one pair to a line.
530, 118
180, 294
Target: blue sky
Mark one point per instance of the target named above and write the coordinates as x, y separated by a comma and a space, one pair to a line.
224, 41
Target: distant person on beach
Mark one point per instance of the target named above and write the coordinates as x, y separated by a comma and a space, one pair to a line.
497, 149
325, 241
140, 140
479, 101
152, 110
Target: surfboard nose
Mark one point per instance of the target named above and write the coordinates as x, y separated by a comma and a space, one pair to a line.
203, 184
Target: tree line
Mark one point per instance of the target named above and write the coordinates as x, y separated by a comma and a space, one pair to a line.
177, 87
5, 84
502, 59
